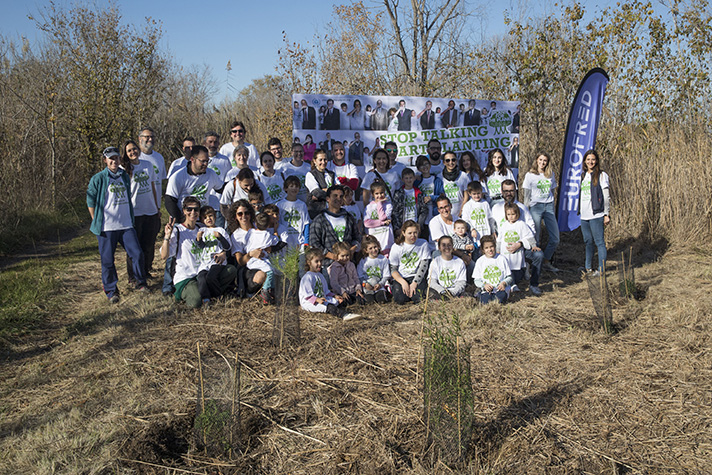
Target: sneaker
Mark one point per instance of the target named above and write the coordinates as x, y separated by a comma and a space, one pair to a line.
351, 316
142, 288
267, 297
515, 288
593, 273
549, 268
535, 290
206, 303
114, 299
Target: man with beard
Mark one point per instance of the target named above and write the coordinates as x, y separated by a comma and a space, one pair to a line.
435, 149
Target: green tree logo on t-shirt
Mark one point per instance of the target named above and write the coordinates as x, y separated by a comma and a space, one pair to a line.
292, 217
494, 185
199, 191
340, 231
447, 277
409, 260
409, 202
511, 236
156, 170
544, 186
318, 288
586, 189
141, 177
215, 169
492, 274
118, 189
374, 214
374, 271
452, 191
274, 191
477, 216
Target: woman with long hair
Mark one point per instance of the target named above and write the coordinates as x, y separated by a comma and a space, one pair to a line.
539, 190
594, 208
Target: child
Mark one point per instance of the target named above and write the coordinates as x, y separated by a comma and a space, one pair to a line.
314, 294
409, 261
477, 212
426, 182
374, 271
409, 202
213, 241
377, 217
515, 236
492, 273
262, 238
343, 277
293, 214
448, 276
463, 245
354, 208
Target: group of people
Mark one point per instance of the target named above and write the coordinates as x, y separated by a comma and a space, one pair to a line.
380, 117
389, 232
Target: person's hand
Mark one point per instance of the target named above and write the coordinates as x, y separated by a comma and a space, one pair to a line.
489, 287
220, 257
606, 220
386, 222
256, 253
501, 286
536, 248
199, 237
345, 295
412, 287
466, 258
339, 298
470, 247
168, 230
376, 287
359, 292
369, 286
426, 199
513, 247
320, 300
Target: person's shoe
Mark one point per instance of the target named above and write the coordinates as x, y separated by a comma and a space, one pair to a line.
351, 316
142, 288
267, 297
535, 290
515, 288
593, 273
167, 294
549, 268
114, 299
206, 303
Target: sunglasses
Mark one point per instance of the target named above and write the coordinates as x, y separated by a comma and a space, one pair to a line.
237, 131
241, 213
391, 150
191, 209
450, 160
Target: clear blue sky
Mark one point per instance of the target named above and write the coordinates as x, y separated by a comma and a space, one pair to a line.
246, 32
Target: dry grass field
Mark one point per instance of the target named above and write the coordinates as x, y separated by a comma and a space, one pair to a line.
114, 389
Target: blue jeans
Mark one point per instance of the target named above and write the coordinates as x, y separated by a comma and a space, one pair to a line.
546, 212
168, 287
592, 230
107, 248
536, 258
487, 297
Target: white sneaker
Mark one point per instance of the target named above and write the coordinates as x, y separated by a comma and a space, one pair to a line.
352, 316
515, 288
535, 290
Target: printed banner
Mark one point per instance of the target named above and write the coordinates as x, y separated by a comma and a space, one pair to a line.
364, 123
581, 133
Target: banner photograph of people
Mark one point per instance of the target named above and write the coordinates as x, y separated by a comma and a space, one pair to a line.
364, 123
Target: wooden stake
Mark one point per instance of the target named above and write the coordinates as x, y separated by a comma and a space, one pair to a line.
202, 389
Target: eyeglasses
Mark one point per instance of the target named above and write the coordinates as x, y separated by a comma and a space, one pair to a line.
237, 131
192, 209
148, 137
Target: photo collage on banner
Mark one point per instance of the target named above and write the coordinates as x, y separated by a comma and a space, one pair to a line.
364, 123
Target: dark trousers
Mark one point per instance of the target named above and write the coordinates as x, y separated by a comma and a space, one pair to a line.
146, 232
209, 283
107, 249
226, 280
487, 297
401, 298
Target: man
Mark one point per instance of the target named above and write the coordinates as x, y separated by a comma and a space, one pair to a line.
356, 150
461, 116
308, 116
333, 225
509, 194
299, 168
328, 146
221, 165
391, 149
346, 173
146, 141
435, 150
472, 116
427, 117
379, 118
332, 117
179, 163
448, 118
515, 122
274, 145
238, 132
403, 115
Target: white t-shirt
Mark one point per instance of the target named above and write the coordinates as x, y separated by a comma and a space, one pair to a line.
411, 211
437, 169
183, 184
177, 164
479, 216
313, 284
378, 268
159, 166
355, 210
117, 213
253, 160
499, 217
408, 256
183, 245
211, 247
300, 172
274, 185
393, 181
586, 206
221, 166
237, 241
143, 180
427, 186
446, 273
233, 192
455, 191
347, 170
514, 232
494, 185
439, 228
542, 188
492, 270
338, 223
311, 183
293, 215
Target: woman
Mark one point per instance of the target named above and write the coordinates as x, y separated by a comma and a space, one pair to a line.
452, 182
309, 148
594, 207
240, 187
380, 171
112, 220
242, 217
272, 179
495, 173
144, 199
357, 117
181, 241
539, 187
317, 181
443, 223
469, 165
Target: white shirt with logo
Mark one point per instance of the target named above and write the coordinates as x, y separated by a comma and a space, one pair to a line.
142, 197
117, 213
586, 206
184, 184
541, 187
407, 257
